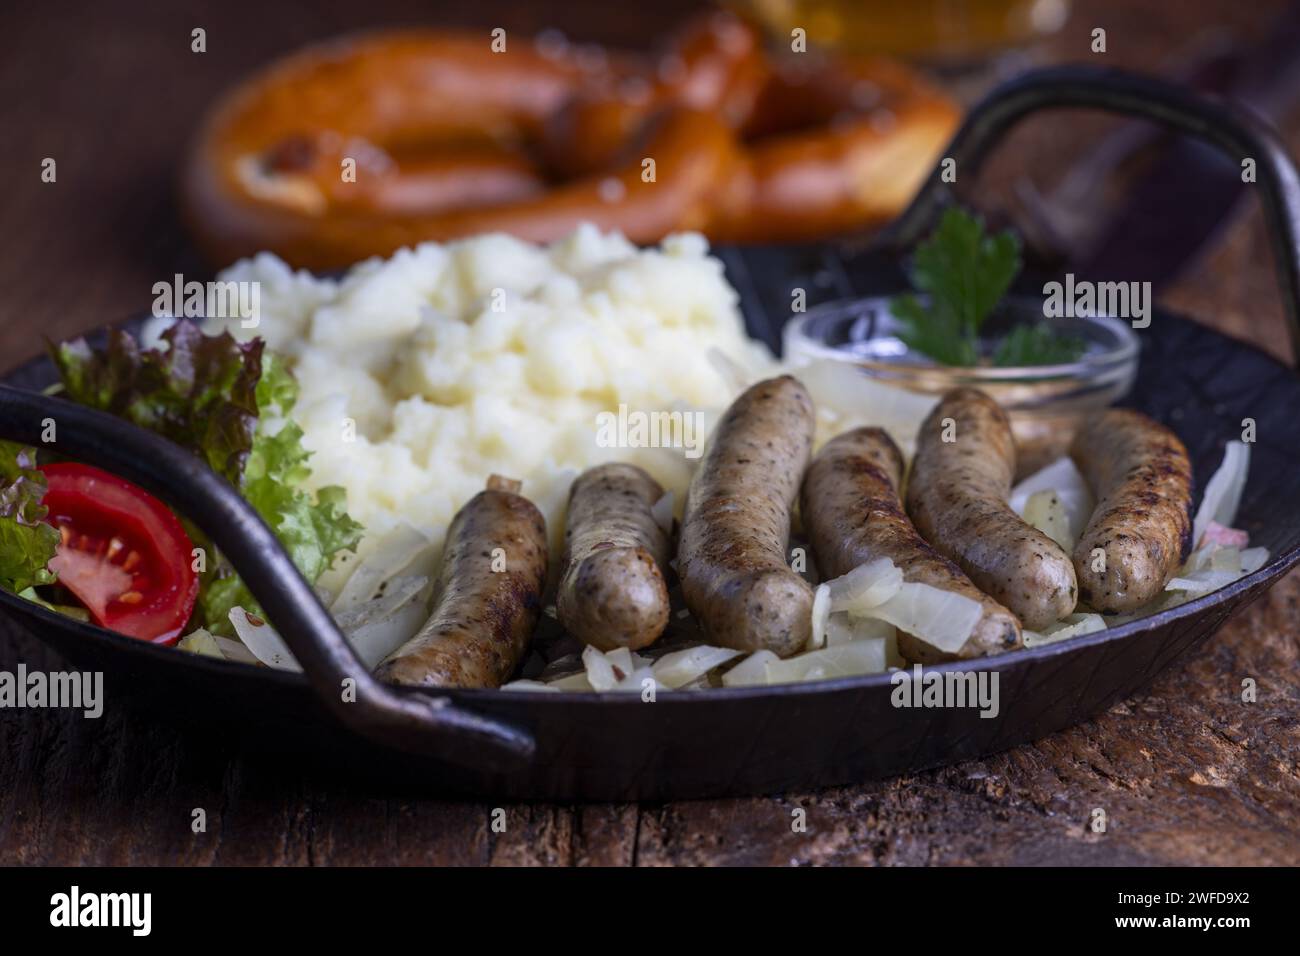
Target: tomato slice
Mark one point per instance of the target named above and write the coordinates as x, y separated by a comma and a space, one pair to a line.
123, 553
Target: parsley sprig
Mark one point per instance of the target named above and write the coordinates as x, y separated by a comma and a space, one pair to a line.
963, 273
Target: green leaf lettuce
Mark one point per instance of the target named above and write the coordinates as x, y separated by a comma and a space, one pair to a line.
229, 402
27, 543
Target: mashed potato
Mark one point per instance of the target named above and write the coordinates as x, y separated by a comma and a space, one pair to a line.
423, 374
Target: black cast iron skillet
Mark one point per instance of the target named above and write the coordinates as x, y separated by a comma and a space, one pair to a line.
727, 741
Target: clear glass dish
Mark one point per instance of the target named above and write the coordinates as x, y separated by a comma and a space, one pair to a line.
1046, 403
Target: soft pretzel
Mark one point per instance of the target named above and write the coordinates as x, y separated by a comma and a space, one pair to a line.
832, 147
361, 146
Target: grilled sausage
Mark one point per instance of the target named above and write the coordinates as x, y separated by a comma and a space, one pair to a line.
732, 558
1141, 476
957, 497
853, 514
484, 618
612, 593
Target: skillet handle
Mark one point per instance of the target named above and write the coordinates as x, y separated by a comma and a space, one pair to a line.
405, 718
1237, 132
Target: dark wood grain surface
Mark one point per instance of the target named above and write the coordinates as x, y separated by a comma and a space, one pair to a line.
1186, 773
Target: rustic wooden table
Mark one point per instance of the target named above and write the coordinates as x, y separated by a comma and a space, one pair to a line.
1185, 773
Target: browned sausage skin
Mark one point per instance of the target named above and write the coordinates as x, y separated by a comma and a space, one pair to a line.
485, 616
732, 559
853, 514
1142, 525
957, 497
612, 593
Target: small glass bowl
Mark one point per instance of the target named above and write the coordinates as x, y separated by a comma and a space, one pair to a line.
1046, 403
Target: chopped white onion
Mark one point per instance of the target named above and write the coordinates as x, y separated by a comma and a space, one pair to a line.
1212, 567
1208, 569
821, 612
201, 642
855, 398
750, 672
840, 629
1223, 491
1226, 559
532, 685
876, 591
232, 650
600, 670
621, 659
682, 667
576, 681
846, 660
844, 628
393, 554
943, 619
263, 641
1252, 559
1167, 600
866, 586
1072, 625
1064, 478
638, 680
380, 626
1198, 559
1045, 511
1201, 582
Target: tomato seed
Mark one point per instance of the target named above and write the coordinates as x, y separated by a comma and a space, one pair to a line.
131, 597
